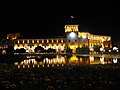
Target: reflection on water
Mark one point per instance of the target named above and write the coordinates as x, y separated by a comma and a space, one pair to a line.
46, 62
59, 61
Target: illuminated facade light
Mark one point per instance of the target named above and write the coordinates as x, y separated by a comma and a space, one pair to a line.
37, 41
84, 36
73, 39
27, 41
101, 49
72, 34
32, 41
18, 41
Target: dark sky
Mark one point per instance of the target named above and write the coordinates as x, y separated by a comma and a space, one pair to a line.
40, 19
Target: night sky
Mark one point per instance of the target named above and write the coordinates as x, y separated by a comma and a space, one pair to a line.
47, 19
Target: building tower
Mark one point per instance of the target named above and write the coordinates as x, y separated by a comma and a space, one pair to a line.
71, 32
72, 36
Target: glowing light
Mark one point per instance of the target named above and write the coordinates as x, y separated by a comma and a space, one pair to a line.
28, 66
4, 52
18, 66
71, 16
16, 63
109, 50
52, 65
73, 59
72, 34
101, 49
115, 48
38, 66
102, 60
91, 49
62, 64
23, 66
33, 65
48, 65
84, 36
58, 65
114, 60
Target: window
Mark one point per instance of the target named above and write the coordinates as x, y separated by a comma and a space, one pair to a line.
59, 41
45, 41
25, 41
40, 41
30, 41
35, 41
50, 41
64, 40
54, 41
21, 42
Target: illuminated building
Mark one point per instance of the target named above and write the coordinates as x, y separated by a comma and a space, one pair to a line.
74, 39
13, 36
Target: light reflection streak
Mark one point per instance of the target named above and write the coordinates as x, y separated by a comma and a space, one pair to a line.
46, 62
115, 60
60, 61
102, 60
91, 59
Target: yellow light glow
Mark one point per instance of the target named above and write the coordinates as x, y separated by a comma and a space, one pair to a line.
91, 59
16, 63
55, 45
84, 36
25, 45
40, 63
50, 44
80, 59
59, 45
15, 45
69, 28
3, 51
21, 46
28, 66
18, 66
73, 46
35, 45
40, 44
73, 59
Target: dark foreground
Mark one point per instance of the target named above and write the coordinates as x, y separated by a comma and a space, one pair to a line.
84, 77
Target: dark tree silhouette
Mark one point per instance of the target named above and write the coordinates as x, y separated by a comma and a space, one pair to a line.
39, 49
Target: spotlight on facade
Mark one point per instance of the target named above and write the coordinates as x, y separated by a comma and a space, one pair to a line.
101, 49
72, 35
109, 50
84, 37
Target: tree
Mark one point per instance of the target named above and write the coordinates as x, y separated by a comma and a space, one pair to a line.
39, 49
10, 50
97, 48
83, 50
68, 50
22, 50
51, 50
